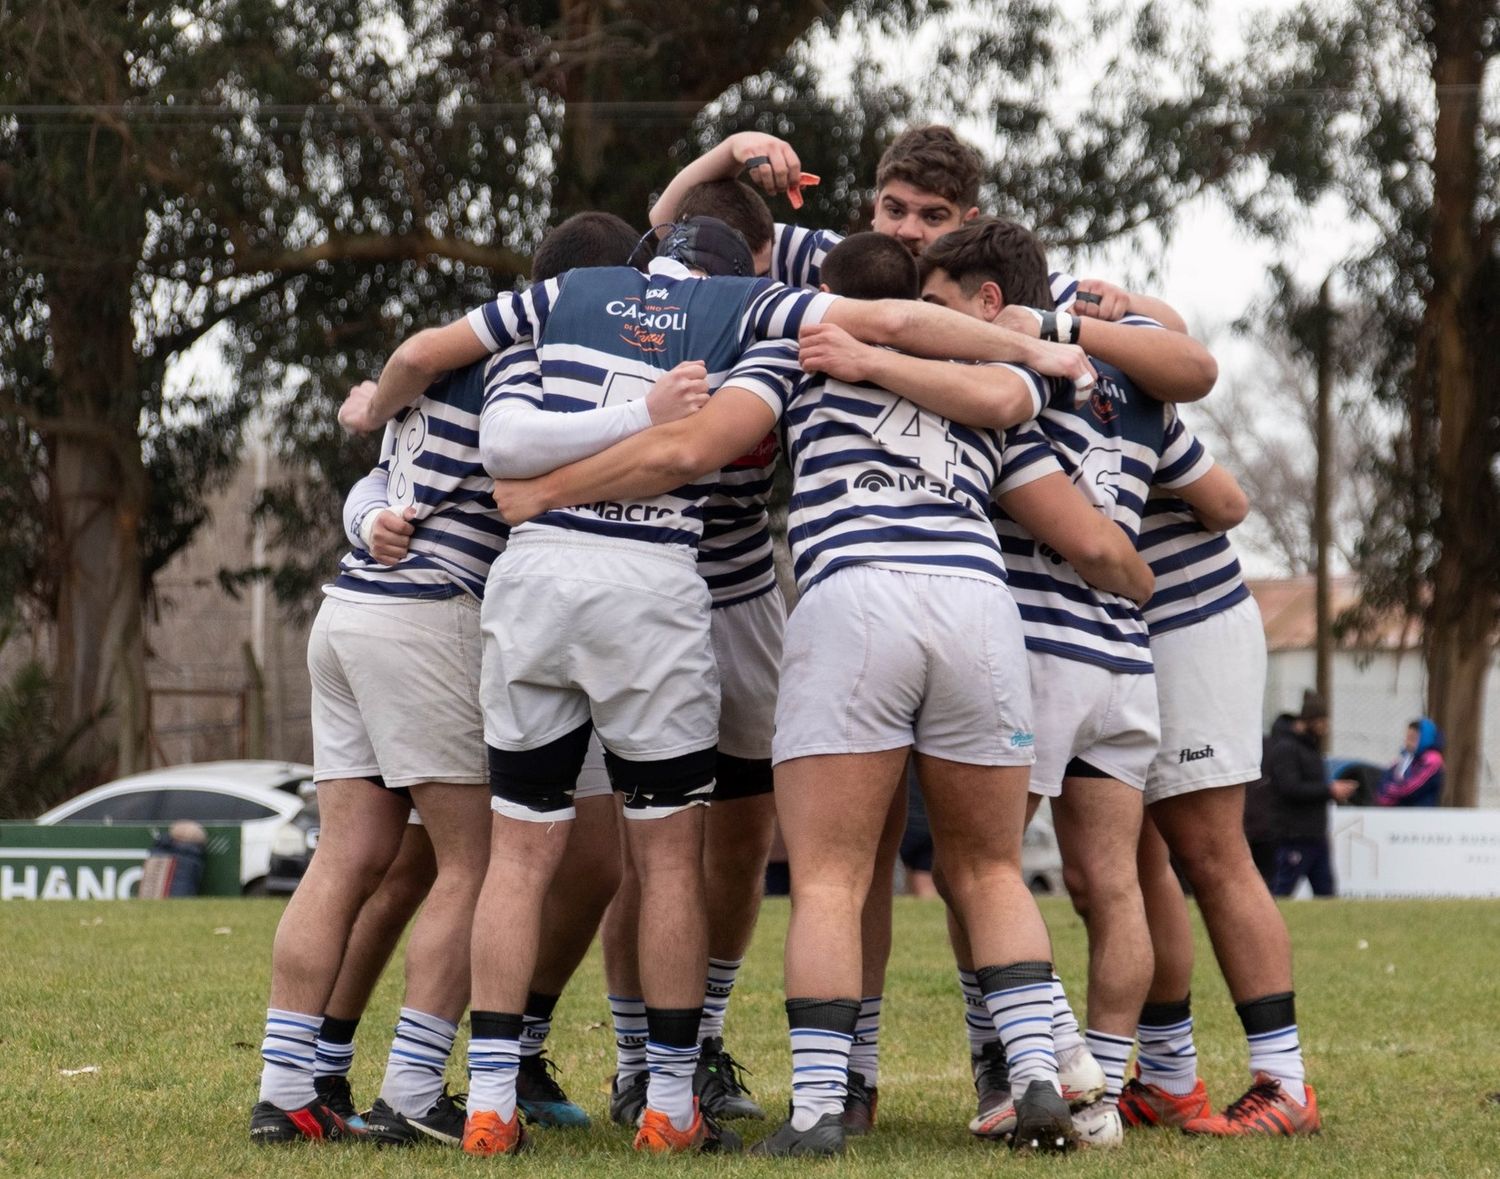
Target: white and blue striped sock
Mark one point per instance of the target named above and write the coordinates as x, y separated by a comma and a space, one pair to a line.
419, 1055
671, 1088
1065, 1033
978, 1023
822, 1033
864, 1052
1018, 998
288, 1054
536, 1024
334, 1047
1113, 1054
720, 983
494, 1058
629, 1015
1279, 1053
1167, 1056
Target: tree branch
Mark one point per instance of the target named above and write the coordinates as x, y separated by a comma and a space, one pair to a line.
379, 248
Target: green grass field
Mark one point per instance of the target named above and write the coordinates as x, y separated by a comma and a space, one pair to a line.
1397, 1002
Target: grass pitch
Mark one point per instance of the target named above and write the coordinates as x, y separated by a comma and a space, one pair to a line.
162, 1004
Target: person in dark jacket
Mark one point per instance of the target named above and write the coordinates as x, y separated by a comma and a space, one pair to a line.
1416, 777
1299, 782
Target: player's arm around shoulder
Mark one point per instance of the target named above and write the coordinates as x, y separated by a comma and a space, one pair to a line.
1053, 511
417, 361
1217, 499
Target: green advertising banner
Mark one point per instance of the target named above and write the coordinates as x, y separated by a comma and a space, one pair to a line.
100, 862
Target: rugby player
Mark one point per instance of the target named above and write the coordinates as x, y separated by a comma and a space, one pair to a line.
1095, 701
1208, 645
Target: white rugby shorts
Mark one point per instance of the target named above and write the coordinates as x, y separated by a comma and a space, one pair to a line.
395, 691
747, 640
881, 658
1106, 718
1211, 684
579, 627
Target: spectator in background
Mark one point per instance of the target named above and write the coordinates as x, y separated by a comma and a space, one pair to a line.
1299, 782
1261, 822
1416, 777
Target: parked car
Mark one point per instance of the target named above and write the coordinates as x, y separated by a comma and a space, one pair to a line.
273, 802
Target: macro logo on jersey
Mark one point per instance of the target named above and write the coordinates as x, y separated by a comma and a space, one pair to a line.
430, 461
879, 480
606, 335
734, 557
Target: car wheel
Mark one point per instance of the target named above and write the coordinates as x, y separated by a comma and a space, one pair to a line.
256, 888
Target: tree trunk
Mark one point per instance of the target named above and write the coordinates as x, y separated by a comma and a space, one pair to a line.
1461, 620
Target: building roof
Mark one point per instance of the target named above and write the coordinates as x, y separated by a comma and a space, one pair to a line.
1288, 608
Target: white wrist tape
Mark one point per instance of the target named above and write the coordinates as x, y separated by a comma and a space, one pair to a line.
367, 529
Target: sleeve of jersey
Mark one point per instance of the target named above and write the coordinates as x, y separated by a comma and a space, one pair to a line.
779, 312
1064, 290
515, 374
1036, 384
770, 370
372, 492
1026, 457
1184, 459
797, 254
515, 315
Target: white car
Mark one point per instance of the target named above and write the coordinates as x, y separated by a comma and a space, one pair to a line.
273, 802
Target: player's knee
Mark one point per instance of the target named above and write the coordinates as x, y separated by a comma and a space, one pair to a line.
659, 789
538, 784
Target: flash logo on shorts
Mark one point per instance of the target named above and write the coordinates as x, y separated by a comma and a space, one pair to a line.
1186, 755
1022, 740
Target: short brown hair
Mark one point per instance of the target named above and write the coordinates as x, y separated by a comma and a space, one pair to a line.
735, 203
584, 239
871, 266
933, 159
991, 249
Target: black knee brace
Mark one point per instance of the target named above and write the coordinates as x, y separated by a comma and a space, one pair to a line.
541, 779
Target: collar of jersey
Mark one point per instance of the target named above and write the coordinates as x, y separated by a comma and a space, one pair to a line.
671, 268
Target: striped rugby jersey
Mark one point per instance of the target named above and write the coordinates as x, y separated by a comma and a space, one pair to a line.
797, 254
1197, 573
877, 479
605, 335
1111, 446
429, 458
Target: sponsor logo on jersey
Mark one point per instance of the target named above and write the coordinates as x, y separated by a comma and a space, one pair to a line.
1106, 401
1186, 755
647, 323
762, 456
873, 481
631, 513
877, 480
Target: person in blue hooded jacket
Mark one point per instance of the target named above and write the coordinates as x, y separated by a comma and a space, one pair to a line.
1416, 777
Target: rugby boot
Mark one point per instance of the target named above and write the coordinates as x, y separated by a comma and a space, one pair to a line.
271, 1125
486, 1134
627, 1103
996, 1118
824, 1137
443, 1123
1266, 1108
1099, 1125
1043, 1123
657, 1135
859, 1105
337, 1096
1145, 1104
1080, 1076
541, 1099
719, 1084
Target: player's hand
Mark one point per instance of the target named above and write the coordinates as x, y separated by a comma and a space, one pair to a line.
1020, 319
678, 393
354, 413
773, 164
519, 500
1067, 361
827, 348
391, 535
1113, 303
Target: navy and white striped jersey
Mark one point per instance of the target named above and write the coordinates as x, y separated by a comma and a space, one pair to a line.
734, 556
1111, 447
429, 459
877, 479
1065, 293
1197, 573
605, 335
797, 254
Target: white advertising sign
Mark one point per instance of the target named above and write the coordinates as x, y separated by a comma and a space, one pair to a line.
1416, 852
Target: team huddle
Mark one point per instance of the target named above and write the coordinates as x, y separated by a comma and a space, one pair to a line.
1011, 573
